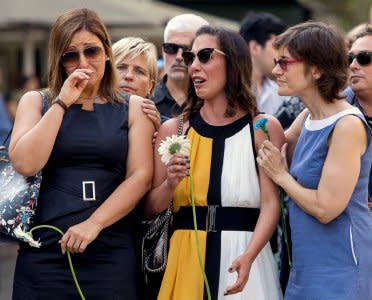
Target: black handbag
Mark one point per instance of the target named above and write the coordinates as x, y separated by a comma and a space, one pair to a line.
18, 195
155, 240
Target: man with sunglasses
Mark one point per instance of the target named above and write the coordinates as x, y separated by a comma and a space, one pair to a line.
360, 79
171, 92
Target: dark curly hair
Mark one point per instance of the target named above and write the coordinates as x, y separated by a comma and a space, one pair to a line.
238, 74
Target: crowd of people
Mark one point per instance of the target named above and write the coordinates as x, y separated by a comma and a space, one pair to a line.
95, 133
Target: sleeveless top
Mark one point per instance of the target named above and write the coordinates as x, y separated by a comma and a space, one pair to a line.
330, 261
87, 163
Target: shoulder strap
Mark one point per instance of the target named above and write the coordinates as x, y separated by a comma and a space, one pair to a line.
180, 125
44, 109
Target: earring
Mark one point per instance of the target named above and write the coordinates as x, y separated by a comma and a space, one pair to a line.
107, 58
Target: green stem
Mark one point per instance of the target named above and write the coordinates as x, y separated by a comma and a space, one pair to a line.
284, 225
198, 247
68, 257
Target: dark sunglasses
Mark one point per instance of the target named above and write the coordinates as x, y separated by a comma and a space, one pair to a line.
72, 58
171, 48
204, 55
363, 58
284, 62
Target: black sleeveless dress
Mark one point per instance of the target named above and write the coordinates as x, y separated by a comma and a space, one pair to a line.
87, 164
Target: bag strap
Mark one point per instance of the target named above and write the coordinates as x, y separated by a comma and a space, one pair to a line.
44, 108
180, 125
179, 133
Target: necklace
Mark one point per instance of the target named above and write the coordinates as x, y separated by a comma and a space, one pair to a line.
90, 98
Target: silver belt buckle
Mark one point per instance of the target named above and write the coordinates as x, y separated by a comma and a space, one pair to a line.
93, 186
211, 218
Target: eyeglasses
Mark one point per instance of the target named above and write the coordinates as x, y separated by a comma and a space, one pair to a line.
204, 55
72, 58
171, 48
284, 62
363, 58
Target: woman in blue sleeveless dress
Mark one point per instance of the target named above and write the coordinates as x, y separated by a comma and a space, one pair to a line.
331, 228
95, 149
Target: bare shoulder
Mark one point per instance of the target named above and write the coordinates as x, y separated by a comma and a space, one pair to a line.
169, 127
350, 125
273, 127
31, 101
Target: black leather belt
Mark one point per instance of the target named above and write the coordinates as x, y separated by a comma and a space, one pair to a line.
214, 218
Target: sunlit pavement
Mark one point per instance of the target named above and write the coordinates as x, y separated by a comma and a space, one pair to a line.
8, 254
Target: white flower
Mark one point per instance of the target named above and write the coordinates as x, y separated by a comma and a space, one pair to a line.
172, 145
26, 237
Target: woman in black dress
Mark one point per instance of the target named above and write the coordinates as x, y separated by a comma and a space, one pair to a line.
96, 154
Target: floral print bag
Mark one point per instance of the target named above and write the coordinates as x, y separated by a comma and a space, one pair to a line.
18, 197
18, 194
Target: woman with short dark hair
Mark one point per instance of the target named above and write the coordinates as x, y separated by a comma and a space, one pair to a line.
330, 152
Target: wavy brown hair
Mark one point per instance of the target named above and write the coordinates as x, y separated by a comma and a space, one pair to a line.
238, 74
305, 42
62, 32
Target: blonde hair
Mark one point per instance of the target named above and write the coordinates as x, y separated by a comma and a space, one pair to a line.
352, 35
130, 47
63, 30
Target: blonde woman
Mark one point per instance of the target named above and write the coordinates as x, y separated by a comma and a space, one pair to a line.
136, 62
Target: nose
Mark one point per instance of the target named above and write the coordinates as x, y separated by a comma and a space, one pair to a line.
277, 71
83, 61
129, 74
179, 57
354, 64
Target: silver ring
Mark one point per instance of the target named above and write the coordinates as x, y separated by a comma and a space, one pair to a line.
76, 245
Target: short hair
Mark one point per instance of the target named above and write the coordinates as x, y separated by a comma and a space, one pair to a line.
130, 47
184, 23
63, 30
366, 31
238, 73
304, 42
353, 34
260, 27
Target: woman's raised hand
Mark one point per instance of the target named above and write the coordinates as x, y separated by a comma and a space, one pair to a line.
74, 85
177, 169
272, 160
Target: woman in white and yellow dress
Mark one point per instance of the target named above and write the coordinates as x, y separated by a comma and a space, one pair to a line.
237, 204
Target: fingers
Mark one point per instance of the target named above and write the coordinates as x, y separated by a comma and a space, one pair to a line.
240, 282
149, 108
177, 169
72, 243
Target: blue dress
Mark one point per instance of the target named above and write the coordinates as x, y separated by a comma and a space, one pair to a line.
87, 164
330, 261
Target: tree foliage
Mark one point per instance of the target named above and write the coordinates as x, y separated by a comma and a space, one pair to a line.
344, 13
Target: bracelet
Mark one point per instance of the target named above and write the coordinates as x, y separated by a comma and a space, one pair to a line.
60, 103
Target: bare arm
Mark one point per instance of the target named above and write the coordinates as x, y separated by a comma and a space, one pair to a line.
33, 136
293, 133
269, 211
339, 175
166, 177
129, 192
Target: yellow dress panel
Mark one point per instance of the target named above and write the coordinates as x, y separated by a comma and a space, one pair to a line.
183, 278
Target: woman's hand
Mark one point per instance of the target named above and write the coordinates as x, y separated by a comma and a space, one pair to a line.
272, 160
74, 85
177, 169
241, 265
78, 237
149, 108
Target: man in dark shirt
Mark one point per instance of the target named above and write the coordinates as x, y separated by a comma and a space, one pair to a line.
171, 92
360, 78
